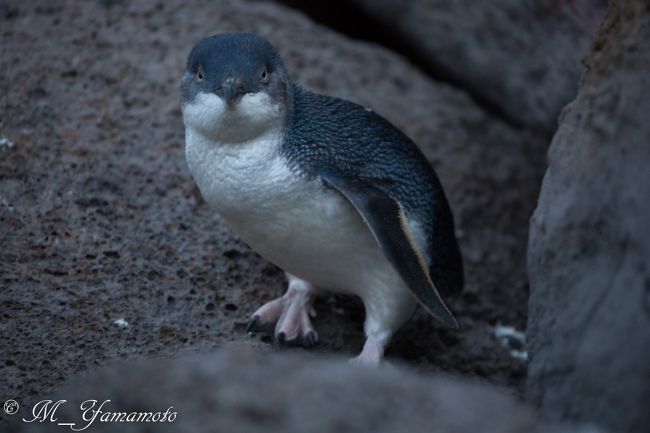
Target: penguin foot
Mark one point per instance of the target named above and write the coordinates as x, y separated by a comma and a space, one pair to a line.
287, 318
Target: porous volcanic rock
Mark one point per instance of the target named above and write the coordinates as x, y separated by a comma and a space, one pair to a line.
520, 56
589, 253
241, 391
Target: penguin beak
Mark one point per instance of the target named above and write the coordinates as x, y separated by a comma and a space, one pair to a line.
231, 90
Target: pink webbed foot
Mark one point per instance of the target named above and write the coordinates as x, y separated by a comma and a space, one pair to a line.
287, 318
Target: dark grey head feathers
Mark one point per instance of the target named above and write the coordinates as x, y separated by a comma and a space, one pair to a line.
232, 65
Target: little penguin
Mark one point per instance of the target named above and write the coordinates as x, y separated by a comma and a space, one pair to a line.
325, 189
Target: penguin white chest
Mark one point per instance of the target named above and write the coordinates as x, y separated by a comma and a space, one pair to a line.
294, 222
240, 179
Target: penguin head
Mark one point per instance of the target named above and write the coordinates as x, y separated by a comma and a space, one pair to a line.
234, 88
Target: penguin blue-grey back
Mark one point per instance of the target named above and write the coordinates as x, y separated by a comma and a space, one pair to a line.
326, 189
358, 142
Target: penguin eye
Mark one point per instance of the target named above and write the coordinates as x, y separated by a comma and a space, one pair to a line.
199, 75
264, 75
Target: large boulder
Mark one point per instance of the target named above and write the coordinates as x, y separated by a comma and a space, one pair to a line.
589, 252
521, 57
242, 391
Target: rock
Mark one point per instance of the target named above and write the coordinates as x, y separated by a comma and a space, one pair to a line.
520, 56
241, 391
589, 252
101, 224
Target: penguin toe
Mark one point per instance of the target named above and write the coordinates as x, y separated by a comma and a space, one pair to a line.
252, 326
280, 340
258, 324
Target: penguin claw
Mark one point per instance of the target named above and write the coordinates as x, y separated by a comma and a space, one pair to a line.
280, 340
252, 325
310, 338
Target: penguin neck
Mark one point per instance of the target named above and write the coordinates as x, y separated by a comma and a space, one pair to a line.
293, 92
255, 116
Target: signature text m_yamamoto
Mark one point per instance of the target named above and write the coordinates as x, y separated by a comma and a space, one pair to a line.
93, 411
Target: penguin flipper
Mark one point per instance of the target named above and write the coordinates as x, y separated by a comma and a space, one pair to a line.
385, 218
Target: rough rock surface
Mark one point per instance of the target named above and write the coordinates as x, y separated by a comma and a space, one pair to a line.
589, 253
241, 391
521, 56
100, 219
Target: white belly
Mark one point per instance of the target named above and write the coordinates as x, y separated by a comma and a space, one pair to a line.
297, 224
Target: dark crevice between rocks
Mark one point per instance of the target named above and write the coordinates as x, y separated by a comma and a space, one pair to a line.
350, 20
